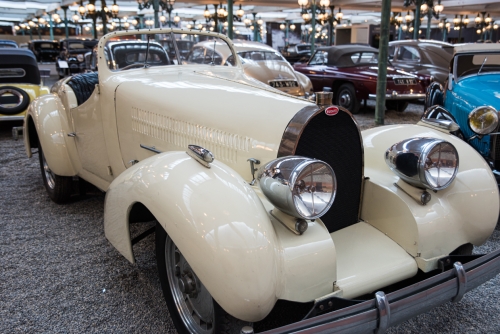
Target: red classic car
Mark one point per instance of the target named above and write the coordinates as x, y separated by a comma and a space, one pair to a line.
351, 72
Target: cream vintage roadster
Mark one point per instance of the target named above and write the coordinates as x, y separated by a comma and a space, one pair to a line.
263, 199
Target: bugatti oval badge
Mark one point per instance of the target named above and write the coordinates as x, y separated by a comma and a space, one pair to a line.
332, 111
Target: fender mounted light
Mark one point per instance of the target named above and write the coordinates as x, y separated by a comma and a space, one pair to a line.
301, 187
424, 162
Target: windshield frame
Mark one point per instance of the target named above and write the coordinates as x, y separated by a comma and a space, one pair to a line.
455, 65
105, 71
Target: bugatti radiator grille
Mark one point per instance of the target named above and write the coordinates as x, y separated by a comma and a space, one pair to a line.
335, 140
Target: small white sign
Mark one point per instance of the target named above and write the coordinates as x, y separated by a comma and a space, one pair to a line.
62, 63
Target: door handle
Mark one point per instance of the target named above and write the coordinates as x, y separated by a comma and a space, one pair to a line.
71, 134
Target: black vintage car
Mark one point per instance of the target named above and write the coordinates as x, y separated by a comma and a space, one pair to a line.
297, 53
44, 50
71, 59
422, 57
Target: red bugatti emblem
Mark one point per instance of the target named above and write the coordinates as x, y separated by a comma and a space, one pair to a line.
332, 111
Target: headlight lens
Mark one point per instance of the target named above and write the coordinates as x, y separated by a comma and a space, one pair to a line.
424, 162
299, 186
483, 120
79, 57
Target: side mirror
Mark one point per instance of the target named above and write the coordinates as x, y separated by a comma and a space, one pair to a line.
450, 81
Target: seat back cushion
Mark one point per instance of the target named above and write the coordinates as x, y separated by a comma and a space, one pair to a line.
83, 85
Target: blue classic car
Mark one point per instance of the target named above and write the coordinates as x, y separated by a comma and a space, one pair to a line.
471, 99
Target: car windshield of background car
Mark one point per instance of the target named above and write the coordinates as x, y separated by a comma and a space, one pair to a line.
209, 51
359, 58
320, 58
408, 53
75, 46
7, 46
261, 55
470, 64
47, 46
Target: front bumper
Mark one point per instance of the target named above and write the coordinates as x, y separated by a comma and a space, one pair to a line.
395, 96
388, 310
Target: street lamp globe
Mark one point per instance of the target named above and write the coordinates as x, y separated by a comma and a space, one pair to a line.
303, 3
90, 8
282, 26
292, 27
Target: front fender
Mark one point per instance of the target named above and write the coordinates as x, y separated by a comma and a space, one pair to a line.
48, 116
216, 220
465, 212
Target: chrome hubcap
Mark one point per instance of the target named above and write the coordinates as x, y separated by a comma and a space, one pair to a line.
193, 301
49, 175
345, 99
14, 93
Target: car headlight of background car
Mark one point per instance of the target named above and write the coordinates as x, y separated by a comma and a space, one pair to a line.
301, 187
483, 120
79, 57
424, 162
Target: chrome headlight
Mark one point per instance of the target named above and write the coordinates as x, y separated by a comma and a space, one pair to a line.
424, 162
483, 120
299, 186
80, 58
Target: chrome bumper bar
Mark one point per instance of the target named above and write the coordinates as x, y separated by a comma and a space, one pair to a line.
398, 96
383, 311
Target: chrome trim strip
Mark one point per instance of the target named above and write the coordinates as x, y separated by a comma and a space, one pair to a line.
384, 312
4, 118
399, 96
150, 148
461, 280
294, 130
404, 303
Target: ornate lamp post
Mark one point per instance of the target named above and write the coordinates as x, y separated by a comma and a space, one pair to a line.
312, 11
460, 23
223, 15
255, 25
166, 5
90, 11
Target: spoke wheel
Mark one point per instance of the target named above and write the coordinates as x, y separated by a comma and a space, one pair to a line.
194, 303
49, 175
191, 307
58, 187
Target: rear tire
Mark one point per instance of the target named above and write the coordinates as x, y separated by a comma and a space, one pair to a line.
189, 303
346, 97
58, 187
399, 106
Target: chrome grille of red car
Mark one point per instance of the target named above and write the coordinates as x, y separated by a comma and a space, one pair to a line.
337, 141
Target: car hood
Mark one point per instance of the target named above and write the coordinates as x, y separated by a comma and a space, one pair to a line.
480, 90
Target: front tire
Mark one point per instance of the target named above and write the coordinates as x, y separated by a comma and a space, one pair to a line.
58, 187
189, 303
399, 106
346, 97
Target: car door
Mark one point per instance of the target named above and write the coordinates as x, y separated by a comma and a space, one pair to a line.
89, 137
316, 69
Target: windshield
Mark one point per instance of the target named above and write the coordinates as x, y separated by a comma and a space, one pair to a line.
470, 64
260, 55
165, 49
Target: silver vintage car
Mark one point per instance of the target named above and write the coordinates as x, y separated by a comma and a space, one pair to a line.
260, 62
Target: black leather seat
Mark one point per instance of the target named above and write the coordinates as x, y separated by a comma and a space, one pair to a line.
83, 85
